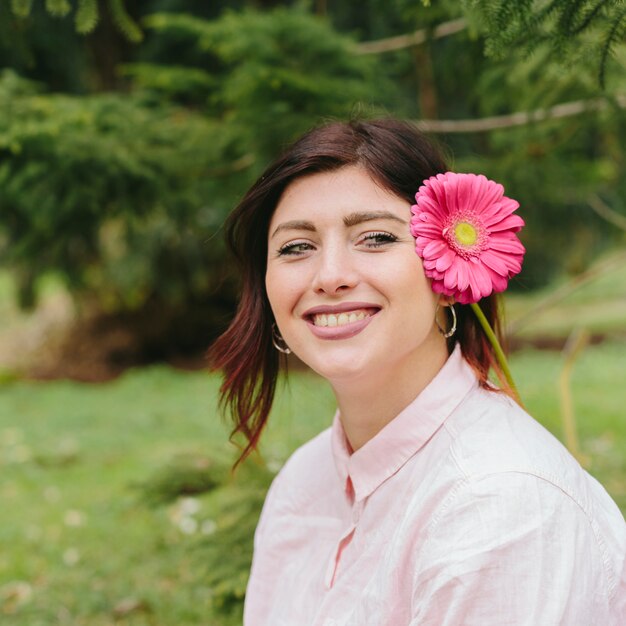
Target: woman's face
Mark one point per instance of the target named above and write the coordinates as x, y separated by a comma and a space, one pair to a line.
346, 288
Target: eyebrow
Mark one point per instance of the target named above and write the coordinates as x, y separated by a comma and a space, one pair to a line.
357, 218
349, 220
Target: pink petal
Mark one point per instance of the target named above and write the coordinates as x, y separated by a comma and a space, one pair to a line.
512, 222
431, 271
514, 264
495, 262
435, 248
445, 260
429, 207
426, 230
499, 282
439, 196
429, 203
450, 279
435, 275
463, 297
499, 210
463, 272
421, 243
508, 205
453, 201
424, 241
509, 264
491, 192
480, 281
459, 193
485, 193
507, 245
438, 287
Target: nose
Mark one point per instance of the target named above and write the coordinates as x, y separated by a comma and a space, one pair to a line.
336, 271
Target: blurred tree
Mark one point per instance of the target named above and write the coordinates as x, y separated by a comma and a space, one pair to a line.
86, 14
576, 32
103, 189
270, 74
550, 166
124, 193
562, 23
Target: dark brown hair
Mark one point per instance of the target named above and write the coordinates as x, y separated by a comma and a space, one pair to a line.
398, 158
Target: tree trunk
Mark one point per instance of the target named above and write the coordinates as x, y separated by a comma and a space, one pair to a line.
427, 89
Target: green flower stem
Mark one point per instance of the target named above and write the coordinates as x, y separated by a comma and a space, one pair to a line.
504, 366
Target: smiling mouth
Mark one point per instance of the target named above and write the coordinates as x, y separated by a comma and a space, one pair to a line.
341, 319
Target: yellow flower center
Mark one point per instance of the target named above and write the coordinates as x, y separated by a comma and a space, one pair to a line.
465, 234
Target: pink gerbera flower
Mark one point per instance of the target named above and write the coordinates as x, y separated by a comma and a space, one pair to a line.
464, 230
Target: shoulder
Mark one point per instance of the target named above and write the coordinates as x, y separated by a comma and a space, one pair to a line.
491, 434
513, 546
495, 441
306, 475
516, 481
297, 484
312, 454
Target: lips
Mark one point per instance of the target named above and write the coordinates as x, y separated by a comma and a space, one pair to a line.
340, 321
343, 307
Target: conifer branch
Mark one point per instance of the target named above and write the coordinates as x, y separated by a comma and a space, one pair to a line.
606, 212
124, 21
616, 33
411, 39
87, 16
21, 8
520, 118
586, 21
59, 8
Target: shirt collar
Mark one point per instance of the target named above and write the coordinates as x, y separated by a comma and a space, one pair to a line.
384, 454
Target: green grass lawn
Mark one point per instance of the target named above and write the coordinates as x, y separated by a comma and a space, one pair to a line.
80, 544
599, 306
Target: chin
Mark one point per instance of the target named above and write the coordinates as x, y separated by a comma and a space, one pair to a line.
343, 368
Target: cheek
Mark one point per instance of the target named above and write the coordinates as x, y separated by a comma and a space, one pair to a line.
272, 290
406, 272
280, 292
414, 282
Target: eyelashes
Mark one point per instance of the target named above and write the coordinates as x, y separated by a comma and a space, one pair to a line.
294, 248
371, 241
378, 239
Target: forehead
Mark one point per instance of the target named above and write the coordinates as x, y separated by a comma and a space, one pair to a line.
333, 194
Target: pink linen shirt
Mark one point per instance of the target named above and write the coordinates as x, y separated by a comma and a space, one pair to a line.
462, 510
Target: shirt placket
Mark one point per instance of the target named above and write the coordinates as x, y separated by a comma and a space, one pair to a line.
346, 537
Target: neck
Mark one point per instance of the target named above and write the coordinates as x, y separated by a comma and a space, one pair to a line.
367, 405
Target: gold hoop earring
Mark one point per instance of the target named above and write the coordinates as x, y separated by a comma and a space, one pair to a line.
447, 333
277, 340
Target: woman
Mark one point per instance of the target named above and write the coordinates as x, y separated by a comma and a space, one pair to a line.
433, 498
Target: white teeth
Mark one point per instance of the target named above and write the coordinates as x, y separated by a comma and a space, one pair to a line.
330, 319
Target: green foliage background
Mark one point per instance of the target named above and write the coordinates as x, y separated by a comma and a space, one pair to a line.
120, 162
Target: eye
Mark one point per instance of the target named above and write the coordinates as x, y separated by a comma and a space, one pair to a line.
377, 239
294, 248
